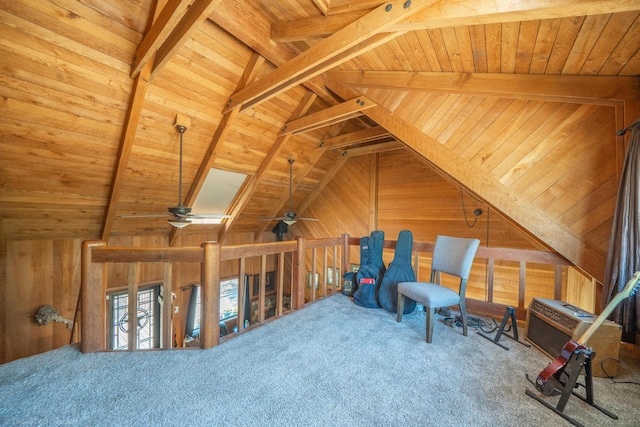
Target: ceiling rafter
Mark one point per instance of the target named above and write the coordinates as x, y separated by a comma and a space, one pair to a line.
250, 73
360, 36
252, 29
158, 33
600, 90
195, 15
138, 93
358, 137
249, 189
451, 14
338, 113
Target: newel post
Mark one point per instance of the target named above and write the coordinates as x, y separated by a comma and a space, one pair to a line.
94, 311
210, 295
297, 288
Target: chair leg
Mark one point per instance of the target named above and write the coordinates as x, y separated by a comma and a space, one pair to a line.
430, 321
463, 314
400, 307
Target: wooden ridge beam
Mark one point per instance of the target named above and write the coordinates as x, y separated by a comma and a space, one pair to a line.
602, 90
337, 113
357, 37
591, 260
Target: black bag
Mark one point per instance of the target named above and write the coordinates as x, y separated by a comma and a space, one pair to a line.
371, 271
400, 270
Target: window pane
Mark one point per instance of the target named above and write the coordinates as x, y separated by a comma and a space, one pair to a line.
228, 298
145, 323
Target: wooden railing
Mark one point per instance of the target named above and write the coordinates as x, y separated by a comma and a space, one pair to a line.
306, 256
96, 255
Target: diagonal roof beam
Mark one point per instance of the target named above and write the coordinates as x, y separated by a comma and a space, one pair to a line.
250, 73
271, 157
158, 33
249, 25
138, 92
195, 15
328, 116
362, 35
451, 14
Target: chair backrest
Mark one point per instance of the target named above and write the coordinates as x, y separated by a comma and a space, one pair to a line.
454, 255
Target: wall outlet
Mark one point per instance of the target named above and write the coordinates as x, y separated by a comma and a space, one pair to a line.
176, 309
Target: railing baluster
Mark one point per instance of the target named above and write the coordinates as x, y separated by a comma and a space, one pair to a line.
132, 306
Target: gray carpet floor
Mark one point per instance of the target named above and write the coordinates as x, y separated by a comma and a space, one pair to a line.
330, 364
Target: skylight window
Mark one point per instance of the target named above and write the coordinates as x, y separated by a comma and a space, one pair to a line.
217, 192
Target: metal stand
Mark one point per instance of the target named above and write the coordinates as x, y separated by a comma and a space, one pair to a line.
510, 312
579, 359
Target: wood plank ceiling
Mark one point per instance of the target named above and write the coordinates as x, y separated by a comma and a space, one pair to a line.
516, 101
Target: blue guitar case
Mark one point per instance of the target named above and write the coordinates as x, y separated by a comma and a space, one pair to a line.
399, 270
371, 267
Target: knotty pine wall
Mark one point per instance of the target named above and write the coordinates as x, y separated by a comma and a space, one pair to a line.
388, 191
398, 190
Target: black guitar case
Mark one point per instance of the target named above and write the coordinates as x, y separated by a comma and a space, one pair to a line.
371, 267
399, 270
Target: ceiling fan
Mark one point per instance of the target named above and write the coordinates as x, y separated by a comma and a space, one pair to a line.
289, 217
182, 215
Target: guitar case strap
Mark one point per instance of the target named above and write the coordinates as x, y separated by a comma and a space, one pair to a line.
400, 270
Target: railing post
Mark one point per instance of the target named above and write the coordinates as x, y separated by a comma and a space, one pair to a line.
94, 310
297, 288
210, 295
167, 306
346, 266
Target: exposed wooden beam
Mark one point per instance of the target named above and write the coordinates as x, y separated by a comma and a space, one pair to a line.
126, 143
158, 33
195, 15
485, 186
313, 28
452, 14
250, 73
358, 37
337, 113
249, 189
250, 27
353, 138
601, 90
374, 148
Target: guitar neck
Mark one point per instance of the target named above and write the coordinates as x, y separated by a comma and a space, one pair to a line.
628, 290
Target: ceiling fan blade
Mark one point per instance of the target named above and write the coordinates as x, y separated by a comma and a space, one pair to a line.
145, 216
280, 218
306, 219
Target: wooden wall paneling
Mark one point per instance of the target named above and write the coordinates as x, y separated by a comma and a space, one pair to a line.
66, 282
